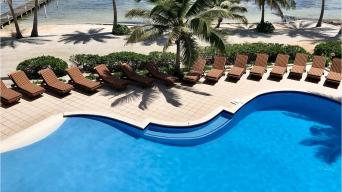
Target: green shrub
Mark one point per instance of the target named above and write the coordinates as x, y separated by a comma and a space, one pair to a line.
136, 60
121, 30
87, 61
265, 27
251, 49
32, 66
329, 49
90, 76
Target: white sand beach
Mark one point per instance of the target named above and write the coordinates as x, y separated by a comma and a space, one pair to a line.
65, 40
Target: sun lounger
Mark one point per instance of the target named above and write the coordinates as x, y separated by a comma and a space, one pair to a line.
52, 82
23, 83
8, 95
260, 66
299, 65
317, 68
154, 72
80, 81
196, 72
239, 67
218, 69
132, 75
280, 66
335, 75
106, 76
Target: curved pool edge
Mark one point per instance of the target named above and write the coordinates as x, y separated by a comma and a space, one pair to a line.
32, 134
35, 133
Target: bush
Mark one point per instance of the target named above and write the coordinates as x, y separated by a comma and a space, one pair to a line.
86, 61
121, 30
136, 60
329, 49
32, 66
251, 49
265, 27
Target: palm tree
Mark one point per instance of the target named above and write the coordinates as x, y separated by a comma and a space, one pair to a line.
275, 5
34, 32
319, 23
17, 29
181, 21
115, 17
234, 9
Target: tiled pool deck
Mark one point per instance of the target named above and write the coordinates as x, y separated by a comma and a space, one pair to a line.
181, 103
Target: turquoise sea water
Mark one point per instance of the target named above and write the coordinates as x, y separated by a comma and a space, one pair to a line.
100, 11
267, 147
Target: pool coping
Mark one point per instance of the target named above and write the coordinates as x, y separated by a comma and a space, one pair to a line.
34, 133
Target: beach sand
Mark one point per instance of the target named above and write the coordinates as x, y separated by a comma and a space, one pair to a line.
65, 40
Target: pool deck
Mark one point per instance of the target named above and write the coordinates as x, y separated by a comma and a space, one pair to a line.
179, 105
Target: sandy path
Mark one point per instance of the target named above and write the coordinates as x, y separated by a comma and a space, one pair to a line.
65, 40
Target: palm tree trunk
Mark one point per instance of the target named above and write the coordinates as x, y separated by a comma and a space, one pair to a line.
17, 29
115, 16
34, 32
262, 12
219, 21
178, 52
319, 23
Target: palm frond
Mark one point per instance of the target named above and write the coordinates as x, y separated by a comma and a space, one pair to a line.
133, 13
189, 49
198, 6
142, 33
172, 37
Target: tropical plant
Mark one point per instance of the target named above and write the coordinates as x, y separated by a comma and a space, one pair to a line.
320, 20
275, 5
181, 21
34, 32
115, 16
17, 29
234, 9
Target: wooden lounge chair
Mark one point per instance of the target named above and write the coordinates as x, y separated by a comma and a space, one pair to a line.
280, 66
299, 66
52, 82
154, 72
196, 72
317, 68
260, 66
132, 75
218, 69
335, 75
8, 96
80, 81
106, 76
239, 67
23, 83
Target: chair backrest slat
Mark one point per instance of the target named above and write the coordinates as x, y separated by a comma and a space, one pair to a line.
199, 65
219, 62
127, 69
20, 78
75, 74
282, 60
261, 60
336, 65
318, 62
301, 59
49, 76
241, 60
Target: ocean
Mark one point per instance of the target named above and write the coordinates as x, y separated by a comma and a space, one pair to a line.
100, 11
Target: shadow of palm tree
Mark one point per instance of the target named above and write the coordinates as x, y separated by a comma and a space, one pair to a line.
13, 42
328, 141
85, 37
147, 96
306, 29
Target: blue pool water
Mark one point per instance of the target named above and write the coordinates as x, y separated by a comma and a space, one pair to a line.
284, 141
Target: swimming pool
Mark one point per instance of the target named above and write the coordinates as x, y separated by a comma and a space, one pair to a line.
283, 141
